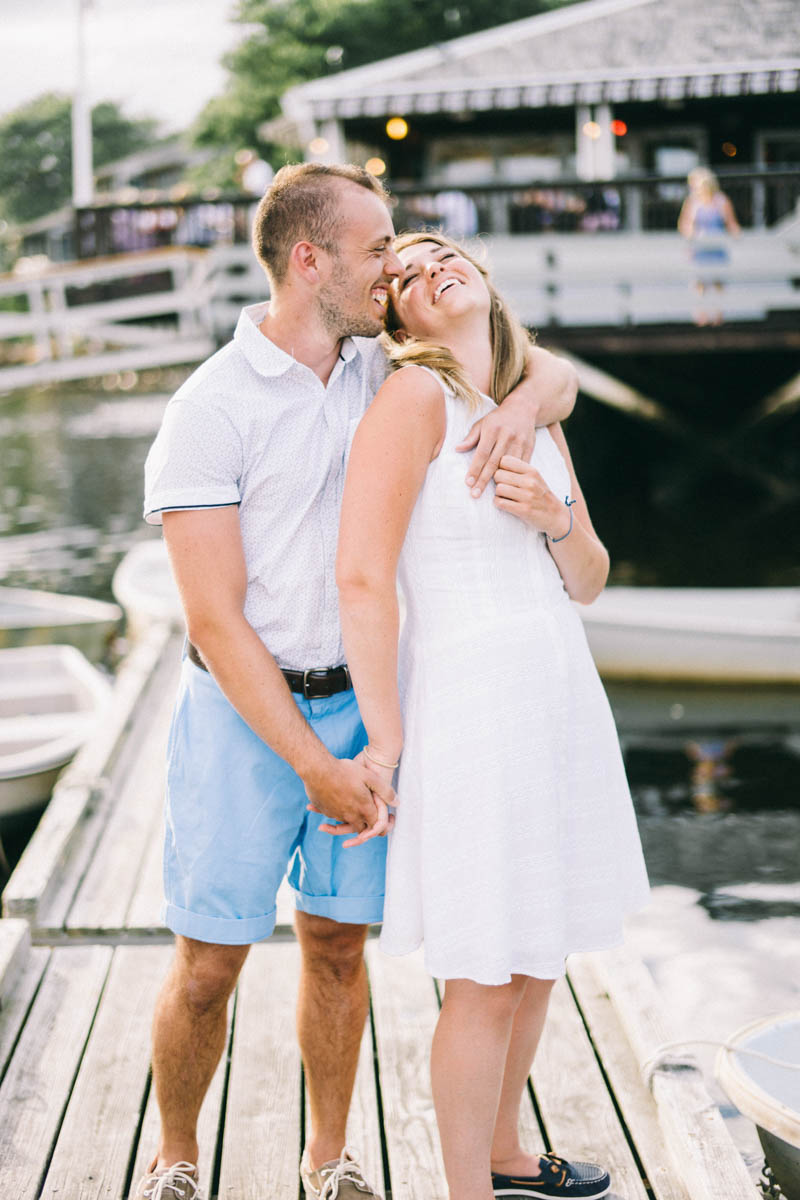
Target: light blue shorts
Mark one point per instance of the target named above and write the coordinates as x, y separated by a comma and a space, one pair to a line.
236, 819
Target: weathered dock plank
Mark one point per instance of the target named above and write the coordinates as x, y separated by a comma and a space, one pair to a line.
576, 1108
94, 1145
15, 944
39, 1079
16, 998
109, 887
405, 1008
629, 1090
45, 880
699, 1145
261, 1141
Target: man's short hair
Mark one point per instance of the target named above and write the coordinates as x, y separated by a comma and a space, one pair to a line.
303, 205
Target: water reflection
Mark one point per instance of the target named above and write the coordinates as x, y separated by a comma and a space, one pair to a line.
71, 483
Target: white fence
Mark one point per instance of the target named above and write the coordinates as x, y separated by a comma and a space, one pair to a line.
176, 305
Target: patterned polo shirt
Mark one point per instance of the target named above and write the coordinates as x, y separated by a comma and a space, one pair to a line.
254, 427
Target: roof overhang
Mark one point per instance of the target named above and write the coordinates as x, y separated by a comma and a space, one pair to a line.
617, 86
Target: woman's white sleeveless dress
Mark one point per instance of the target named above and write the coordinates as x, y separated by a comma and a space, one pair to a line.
515, 841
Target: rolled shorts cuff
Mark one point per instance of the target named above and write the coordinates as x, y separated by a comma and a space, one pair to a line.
347, 910
223, 931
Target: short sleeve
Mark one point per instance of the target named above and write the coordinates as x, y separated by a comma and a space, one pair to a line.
195, 462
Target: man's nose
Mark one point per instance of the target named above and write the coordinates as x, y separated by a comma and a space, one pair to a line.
393, 265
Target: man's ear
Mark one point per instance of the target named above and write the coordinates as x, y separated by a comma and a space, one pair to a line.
400, 335
304, 259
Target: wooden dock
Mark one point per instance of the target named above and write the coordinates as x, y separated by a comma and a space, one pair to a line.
82, 954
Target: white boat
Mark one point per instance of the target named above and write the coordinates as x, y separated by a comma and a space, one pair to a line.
768, 1093
34, 618
50, 701
144, 585
726, 635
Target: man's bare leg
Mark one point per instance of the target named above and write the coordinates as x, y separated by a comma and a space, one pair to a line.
332, 1007
188, 1038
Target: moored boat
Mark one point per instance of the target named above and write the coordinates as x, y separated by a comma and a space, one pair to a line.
725, 635
50, 700
768, 1092
144, 585
29, 617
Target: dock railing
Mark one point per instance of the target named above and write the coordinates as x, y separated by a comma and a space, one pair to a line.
177, 304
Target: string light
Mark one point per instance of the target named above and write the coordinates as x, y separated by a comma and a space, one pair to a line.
592, 130
397, 128
318, 145
375, 166
619, 128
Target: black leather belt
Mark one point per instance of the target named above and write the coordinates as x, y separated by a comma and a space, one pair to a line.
313, 685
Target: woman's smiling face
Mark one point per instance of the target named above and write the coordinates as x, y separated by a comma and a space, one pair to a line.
438, 286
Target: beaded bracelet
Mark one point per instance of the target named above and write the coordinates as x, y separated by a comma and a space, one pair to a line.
569, 503
379, 761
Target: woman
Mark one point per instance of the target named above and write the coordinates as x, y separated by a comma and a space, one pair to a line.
706, 218
515, 842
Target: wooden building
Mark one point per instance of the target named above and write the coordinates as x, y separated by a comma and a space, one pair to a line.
603, 90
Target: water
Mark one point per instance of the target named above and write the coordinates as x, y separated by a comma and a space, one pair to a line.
714, 772
71, 466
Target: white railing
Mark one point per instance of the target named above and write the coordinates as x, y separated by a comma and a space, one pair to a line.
76, 320
176, 305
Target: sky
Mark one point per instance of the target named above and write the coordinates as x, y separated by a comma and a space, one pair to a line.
154, 57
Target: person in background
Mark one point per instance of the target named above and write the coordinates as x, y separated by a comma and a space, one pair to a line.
706, 219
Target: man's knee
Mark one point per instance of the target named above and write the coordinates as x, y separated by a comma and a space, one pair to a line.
205, 974
330, 947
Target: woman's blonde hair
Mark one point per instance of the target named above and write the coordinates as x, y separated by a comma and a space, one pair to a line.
700, 177
510, 341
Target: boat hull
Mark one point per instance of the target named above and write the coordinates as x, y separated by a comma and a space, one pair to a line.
784, 1162
30, 617
51, 698
144, 585
722, 635
768, 1093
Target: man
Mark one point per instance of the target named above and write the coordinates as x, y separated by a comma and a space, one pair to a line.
246, 475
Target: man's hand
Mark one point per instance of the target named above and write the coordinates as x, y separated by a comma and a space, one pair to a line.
379, 780
355, 797
509, 429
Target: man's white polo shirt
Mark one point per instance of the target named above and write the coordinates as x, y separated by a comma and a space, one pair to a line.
254, 427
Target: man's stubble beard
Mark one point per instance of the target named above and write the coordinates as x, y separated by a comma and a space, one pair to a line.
338, 320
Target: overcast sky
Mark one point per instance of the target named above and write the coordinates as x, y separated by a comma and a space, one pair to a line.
154, 57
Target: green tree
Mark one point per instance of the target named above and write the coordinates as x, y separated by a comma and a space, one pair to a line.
297, 40
36, 151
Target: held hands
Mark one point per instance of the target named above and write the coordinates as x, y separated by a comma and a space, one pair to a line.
521, 491
508, 430
356, 796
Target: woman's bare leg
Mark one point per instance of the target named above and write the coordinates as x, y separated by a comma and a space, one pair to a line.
468, 1059
508, 1156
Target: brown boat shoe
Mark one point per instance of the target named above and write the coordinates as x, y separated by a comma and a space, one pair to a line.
178, 1182
340, 1179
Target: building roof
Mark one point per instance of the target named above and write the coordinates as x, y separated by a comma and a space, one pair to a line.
612, 50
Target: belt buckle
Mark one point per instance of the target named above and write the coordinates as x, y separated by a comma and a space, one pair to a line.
306, 674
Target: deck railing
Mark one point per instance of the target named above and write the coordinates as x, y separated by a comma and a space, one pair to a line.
762, 199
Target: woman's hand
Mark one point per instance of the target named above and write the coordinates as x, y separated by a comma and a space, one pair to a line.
521, 491
382, 779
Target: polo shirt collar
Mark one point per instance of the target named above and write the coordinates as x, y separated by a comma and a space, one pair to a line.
262, 354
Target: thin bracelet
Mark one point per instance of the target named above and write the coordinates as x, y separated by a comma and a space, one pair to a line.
379, 761
569, 503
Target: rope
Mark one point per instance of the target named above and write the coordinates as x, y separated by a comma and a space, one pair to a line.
659, 1059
